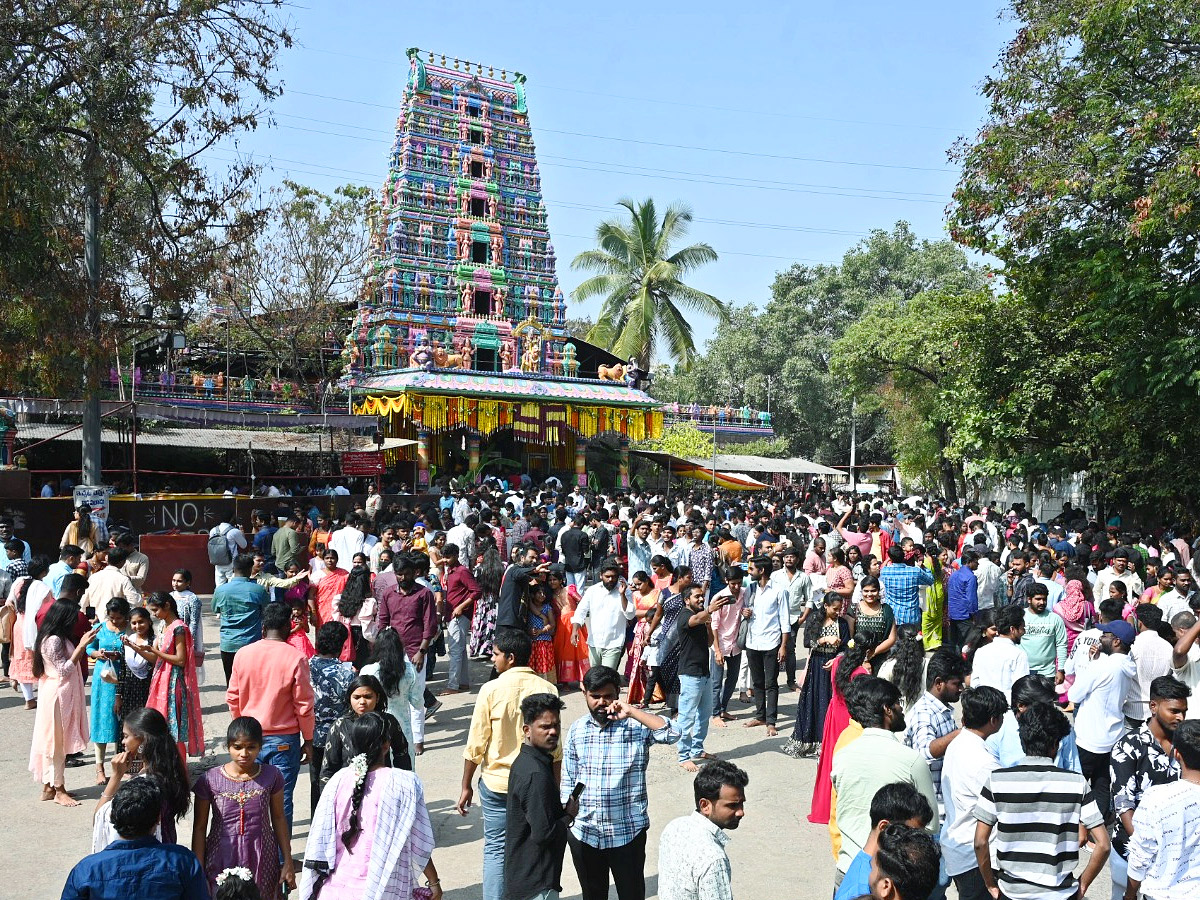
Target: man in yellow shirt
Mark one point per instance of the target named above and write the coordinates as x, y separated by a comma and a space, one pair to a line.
493, 743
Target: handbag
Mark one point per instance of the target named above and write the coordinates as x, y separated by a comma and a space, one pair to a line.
743, 635
106, 672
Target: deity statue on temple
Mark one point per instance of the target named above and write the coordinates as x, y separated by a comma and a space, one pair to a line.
634, 374
531, 359
570, 364
422, 356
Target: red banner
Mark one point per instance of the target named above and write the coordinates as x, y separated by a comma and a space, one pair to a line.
363, 462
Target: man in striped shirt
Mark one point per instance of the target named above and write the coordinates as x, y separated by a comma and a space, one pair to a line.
1035, 809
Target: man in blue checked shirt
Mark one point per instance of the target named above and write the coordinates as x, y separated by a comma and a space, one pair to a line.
902, 584
607, 752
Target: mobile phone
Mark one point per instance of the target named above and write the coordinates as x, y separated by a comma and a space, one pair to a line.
580, 787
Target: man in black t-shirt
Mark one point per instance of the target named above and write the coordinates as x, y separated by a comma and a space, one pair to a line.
694, 634
575, 548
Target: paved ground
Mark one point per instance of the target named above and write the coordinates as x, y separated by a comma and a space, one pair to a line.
776, 851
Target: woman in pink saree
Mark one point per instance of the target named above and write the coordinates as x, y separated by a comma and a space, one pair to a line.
173, 688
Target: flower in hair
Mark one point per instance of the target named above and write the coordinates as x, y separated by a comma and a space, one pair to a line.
359, 765
918, 636
850, 644
239, 872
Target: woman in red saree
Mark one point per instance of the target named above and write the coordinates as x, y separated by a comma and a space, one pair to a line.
843, 669
648, 612
571, 660
173, 688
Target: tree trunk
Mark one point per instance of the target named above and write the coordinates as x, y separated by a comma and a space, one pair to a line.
961, 478
945, 466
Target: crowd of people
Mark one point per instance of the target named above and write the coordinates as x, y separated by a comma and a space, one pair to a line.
985, 696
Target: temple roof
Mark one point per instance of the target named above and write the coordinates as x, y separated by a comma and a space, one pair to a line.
509, 386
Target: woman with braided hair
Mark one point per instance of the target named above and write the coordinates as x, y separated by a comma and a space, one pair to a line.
371, 828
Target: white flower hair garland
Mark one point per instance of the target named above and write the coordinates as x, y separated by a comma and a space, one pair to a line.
359, 765
240, 872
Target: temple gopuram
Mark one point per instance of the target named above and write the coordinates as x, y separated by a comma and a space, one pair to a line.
459, 342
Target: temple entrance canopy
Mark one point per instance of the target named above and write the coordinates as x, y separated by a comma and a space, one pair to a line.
460, 331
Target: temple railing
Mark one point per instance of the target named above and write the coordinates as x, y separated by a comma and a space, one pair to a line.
707, 417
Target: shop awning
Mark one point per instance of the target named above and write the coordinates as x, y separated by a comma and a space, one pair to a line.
216, 438
684, 468
792, 466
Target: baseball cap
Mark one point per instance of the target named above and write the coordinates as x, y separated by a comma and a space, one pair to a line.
1122, 631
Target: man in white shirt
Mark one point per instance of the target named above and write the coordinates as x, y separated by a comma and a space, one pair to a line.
1151, 654
1118, 569
1175, 601
235, 540
1099, 698
374, 504
1164, 852
1081, 654
989, 575
965, 770
347, 541
1002, 662
605, 608
462, 508
799, 589
109, 583
1185, 665
462, 535
768, 608
692, 863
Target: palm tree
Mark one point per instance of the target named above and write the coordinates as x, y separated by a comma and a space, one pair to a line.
640, 276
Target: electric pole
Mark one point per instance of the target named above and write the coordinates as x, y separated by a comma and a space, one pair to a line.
91, 462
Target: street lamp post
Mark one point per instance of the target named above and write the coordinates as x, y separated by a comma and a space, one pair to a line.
145, 320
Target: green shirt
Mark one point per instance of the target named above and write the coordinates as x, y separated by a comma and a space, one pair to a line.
1045, 642
860, 769
239, 602
285, 547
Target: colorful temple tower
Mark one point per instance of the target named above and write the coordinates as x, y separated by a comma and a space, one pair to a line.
459, 337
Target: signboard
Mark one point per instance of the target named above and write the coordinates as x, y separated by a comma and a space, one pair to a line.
363, 462
95, 497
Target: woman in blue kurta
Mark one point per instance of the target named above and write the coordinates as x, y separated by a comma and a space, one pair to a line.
104, 649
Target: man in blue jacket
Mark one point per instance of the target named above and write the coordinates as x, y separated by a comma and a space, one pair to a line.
138, 865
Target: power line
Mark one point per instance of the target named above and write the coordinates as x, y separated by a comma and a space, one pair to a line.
630, 141
668, 146
738, 110
697, 177
570, 204
210, 153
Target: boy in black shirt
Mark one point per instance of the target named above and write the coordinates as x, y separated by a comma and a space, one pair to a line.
535, 834
694, 634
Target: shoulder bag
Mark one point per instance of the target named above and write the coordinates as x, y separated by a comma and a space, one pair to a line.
743, 634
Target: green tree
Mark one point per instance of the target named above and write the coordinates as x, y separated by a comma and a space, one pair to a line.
907, 357
291, 288
640, 275
1084, 182
682, 440
782, 356
579, 327
106, 110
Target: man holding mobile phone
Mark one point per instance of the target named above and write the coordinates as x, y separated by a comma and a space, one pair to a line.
608, 752
537, 824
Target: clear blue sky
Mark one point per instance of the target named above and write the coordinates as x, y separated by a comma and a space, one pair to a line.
860, 99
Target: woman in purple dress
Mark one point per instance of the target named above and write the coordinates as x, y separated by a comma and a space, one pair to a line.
245, 799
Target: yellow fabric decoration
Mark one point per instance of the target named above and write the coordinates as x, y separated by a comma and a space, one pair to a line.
435, 412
